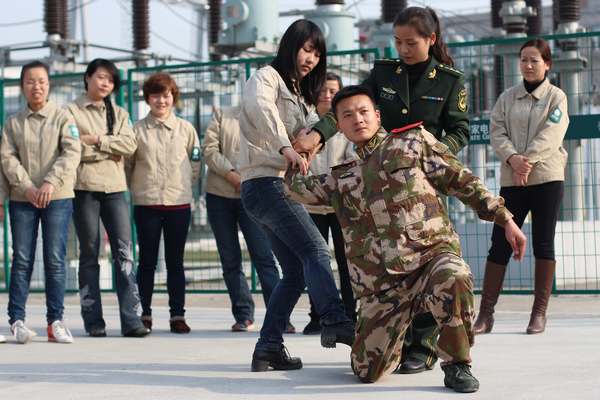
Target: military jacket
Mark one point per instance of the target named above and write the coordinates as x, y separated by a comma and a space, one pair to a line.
439, 99
392, 219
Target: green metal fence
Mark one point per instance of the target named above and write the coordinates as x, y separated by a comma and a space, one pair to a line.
492, 65
204, 87
489, 66
64, 88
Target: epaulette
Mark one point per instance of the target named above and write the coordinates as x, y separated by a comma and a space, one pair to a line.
348, 164
451, 70
406, 128
387, 61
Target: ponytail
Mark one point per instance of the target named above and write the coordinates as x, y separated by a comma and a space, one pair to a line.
111, 68
110, 115
425, 21
439, 49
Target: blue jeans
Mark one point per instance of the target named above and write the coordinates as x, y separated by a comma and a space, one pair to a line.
302, 253
24, 223
112, 208
150, 223
224, 215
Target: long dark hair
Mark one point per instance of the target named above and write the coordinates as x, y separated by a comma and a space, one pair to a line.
114, 72
425, 21
285, 63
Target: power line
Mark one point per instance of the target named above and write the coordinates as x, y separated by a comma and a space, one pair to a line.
182, 17
159, 37
36, 20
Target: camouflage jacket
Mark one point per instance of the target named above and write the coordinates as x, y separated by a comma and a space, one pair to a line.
392, 219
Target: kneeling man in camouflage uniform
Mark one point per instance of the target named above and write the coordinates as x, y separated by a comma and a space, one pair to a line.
403, 253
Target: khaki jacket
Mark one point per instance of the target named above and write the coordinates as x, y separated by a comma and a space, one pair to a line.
221, 149
97, 172
270, 118
166, 162
336, 151
3, 188
533, 125
40, 147
392, 218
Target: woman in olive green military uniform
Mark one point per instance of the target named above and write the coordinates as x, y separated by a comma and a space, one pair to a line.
422, 86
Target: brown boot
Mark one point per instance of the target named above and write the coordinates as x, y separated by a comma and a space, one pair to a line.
492, 284
544, 278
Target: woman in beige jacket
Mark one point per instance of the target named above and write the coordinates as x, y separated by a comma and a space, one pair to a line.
528, 125
40, 152
277, 103
337, 150
161, 173
106, 137
225, 212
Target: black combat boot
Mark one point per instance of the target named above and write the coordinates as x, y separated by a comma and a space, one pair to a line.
342, 332
276, 359
458, 377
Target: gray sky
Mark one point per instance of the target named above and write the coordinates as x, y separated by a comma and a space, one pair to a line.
172, 26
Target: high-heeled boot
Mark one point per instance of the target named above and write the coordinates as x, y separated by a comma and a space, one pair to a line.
544, 277
492, 285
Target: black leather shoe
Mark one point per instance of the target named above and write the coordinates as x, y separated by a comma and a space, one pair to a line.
276, 359
137, 332
338, 333
413, 366
459, 378
312, 328
97, 332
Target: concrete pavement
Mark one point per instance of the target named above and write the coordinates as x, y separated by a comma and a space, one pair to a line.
213, 363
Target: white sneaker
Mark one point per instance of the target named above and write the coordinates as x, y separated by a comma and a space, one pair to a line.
2, 339
59, 333
22, 333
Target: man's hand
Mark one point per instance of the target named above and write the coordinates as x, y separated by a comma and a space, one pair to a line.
295, 160
516, 239
31, 194
520, 164
90, 140
307, 141
44, 195
234, 180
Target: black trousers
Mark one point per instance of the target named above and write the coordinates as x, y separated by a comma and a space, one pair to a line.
543, 201
324, 223
151, 223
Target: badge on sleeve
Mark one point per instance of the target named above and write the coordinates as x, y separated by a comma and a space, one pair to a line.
555, 115
461, 103
74, 131
195, 154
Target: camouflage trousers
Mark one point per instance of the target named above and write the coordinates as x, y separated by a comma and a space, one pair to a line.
444, 287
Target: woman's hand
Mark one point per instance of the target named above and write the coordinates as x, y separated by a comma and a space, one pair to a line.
519, 179
307, 141
44, 195
295, 160
520, 164
90, 140
516, 238
234, 180
31, 194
